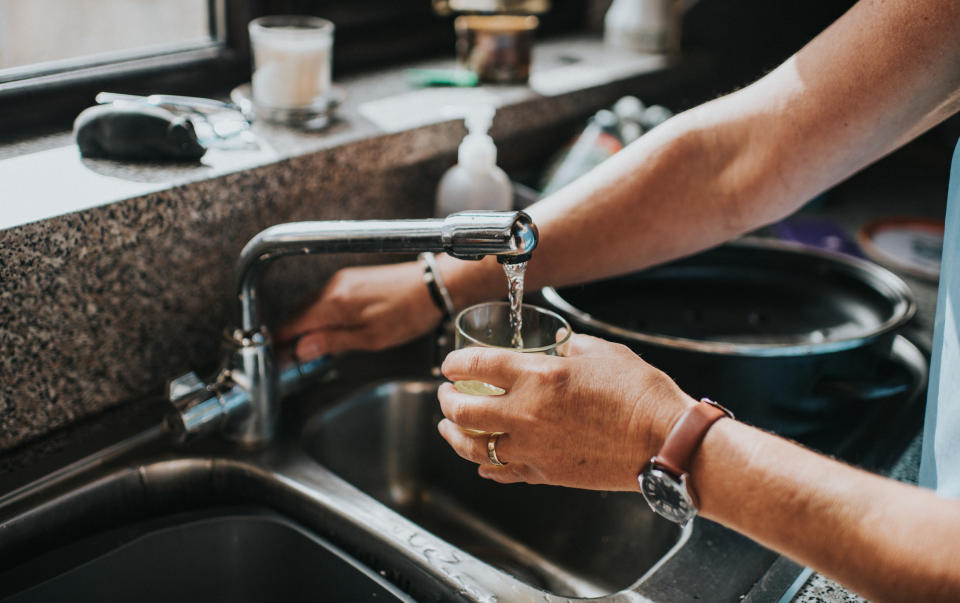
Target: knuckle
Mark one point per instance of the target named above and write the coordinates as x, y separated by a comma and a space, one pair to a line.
551, 375
475, 362
659, 382
335, 301
455, 411
335, 284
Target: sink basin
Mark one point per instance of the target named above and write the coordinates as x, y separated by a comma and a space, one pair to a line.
249, 555
564, 541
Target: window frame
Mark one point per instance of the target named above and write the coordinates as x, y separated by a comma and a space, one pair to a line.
367, 37
57, 91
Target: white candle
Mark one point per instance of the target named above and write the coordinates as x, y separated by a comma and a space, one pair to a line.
291, 61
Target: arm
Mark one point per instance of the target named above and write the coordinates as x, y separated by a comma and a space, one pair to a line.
595, 418
885, 72
881, 75
884, 539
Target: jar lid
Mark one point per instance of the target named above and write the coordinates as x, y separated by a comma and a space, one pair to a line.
501, 6
913, 245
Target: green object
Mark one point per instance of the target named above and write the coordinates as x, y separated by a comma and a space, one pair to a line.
441, 77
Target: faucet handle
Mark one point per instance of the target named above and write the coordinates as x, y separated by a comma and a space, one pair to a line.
196, 407
183, 386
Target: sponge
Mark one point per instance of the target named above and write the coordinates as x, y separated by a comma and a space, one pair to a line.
123, 130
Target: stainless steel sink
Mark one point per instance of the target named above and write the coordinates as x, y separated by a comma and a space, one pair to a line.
567, 542
358, 485
229, 555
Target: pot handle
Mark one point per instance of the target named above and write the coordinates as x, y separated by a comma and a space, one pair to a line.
862, 390
902, 370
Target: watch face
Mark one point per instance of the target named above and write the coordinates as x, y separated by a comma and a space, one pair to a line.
666, 495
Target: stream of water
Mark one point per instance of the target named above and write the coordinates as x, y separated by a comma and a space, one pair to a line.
515, 274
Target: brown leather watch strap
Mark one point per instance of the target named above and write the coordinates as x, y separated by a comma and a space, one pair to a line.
685, 436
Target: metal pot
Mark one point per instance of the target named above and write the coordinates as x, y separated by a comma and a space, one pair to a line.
777, 332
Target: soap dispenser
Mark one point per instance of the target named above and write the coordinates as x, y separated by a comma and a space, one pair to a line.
475, 182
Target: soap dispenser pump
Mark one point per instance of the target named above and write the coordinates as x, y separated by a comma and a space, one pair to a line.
476, 182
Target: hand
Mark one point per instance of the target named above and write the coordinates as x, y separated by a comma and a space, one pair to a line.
590, 420
364, 308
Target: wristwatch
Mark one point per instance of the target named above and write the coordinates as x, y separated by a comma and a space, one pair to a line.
664, 483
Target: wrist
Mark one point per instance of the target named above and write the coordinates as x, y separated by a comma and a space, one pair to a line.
727, 443
666, 481
436, 287
655, 413
471, 282
668, 414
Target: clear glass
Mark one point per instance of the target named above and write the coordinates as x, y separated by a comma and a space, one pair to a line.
488, 325
292, 56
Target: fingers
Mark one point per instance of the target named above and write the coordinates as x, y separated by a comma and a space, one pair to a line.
474, 449
509, 474
319, 315
318, 342
496, 367
563, 341
483, 413
300, 324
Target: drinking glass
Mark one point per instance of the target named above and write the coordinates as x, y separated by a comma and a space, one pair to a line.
488, 325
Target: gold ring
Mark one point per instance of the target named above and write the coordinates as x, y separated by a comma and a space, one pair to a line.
492, 450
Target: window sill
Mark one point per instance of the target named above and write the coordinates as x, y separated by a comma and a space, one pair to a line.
383, 124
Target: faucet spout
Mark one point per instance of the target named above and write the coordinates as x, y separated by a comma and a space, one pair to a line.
470, 235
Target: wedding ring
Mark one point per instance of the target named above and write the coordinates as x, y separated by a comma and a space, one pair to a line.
492, 450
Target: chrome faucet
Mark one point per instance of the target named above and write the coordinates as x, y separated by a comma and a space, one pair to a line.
243, 400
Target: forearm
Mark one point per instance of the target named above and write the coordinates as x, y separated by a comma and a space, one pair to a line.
886, 540
882, 74
658, 199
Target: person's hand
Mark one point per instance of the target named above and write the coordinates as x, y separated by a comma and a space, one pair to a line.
363, 308
590, 420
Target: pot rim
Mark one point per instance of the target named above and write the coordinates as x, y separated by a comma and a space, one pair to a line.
885, 282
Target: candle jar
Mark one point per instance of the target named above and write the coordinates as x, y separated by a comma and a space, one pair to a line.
496, 47
292, 56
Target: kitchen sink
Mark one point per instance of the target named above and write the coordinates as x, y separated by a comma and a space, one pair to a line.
568, 542
229, 555
359, 497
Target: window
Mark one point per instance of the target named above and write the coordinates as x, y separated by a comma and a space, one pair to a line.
53, 36
56, 55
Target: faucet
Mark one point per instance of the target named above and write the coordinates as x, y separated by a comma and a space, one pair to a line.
243, 399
